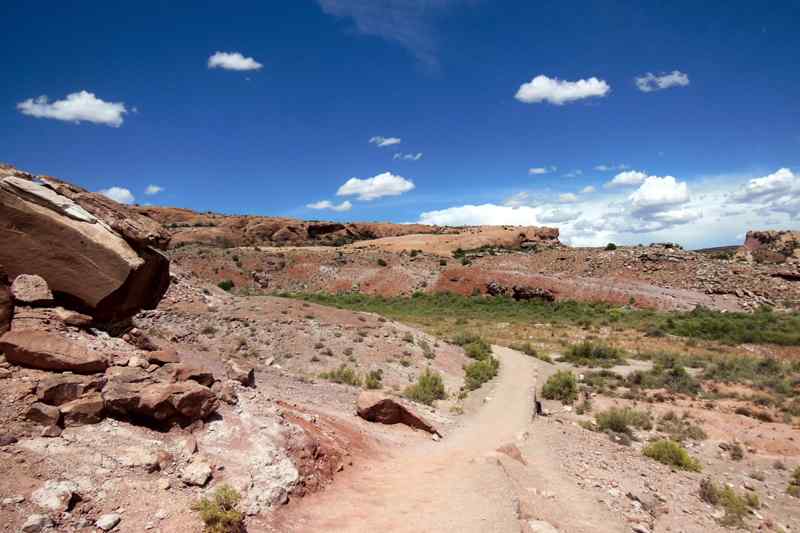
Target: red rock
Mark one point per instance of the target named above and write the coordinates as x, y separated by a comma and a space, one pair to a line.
47, 351
85, 410
46, 415
375, 406
30, 289
73, 318
94, 254
6, 306
63, 388
178, 372
187, 401
162, 357
242, 372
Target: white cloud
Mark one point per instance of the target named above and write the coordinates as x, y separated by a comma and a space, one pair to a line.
232, 61
385, 184
656, 193
153, 189
567, 198
118, 194
574, 174
588, 189
650, 82
768, 187
325, 204
607, 168
626, 179
558, 92
535, 171
385, 141
558, 216
481, 215
76, 107
408, 157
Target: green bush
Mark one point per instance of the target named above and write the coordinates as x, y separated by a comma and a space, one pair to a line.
428, 388
219, 513
528, 349
344, 374
620, 420
226, 285
736, 507
680, 428
667, 373
671, 453
611, 246
561, 386
374, 379
479, 372
590, 354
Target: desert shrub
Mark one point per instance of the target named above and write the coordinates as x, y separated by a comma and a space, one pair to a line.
603, 380
208, 330
736, 451
479, 372
667, 373
414, 253
226, 285
427, 351
621, 420
408, 337
794, 484
528, 349
584, 407
736, 507
680, 428
611, 246
671, 453
442, 262
381, 262
428, 388
219, 512
592, 354
561, 386
344, 374
474, 346
374, 379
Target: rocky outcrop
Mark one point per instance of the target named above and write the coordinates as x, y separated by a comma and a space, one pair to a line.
375, 406
97, 256
6, 305
48, 351
771, 246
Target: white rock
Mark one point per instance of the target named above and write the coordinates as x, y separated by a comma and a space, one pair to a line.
35, 523
540, 526
107, 522
55, 495
198, 473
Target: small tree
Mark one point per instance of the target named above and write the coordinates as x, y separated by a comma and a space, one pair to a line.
611, 247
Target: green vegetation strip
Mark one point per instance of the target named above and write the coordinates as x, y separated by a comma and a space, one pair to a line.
761, 327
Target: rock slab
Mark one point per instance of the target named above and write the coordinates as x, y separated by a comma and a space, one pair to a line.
375, 406
47, 351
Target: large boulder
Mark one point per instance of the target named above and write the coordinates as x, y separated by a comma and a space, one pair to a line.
97, 256
374, 406
30, 289
48, 351
62, 388
159, 403
6, 305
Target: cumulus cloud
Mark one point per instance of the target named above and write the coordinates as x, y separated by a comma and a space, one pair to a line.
588, 189
325, 204
153, 190
656, 193
118, 194
232, 61
567, 198
607, 168
574, 174
481, 215
77, 107
626, 179
385, 141
768, 187
558, 216
535, 171
408, 157
385, 184
558, 92
650, 82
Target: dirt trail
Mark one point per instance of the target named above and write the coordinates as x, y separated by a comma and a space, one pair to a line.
458, 484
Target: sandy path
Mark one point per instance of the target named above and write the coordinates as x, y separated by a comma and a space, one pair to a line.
458, 484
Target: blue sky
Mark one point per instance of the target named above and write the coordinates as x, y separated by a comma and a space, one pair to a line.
516, 107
